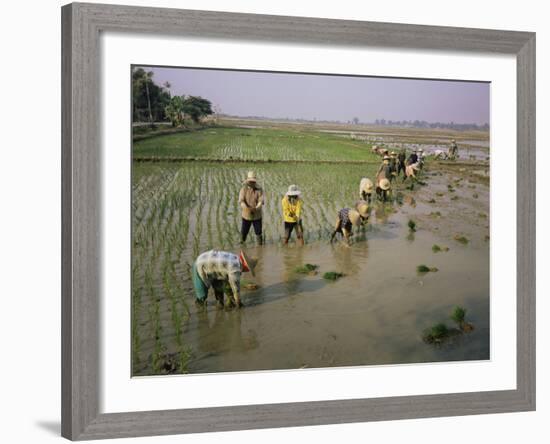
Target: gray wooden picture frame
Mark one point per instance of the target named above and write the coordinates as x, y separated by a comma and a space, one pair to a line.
81, 231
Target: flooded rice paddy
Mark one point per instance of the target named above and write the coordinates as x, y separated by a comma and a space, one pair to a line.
375, 314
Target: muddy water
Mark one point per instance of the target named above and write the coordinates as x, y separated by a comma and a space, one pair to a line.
377, 312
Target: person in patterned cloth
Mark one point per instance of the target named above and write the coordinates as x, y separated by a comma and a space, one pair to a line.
217, 269
349, 218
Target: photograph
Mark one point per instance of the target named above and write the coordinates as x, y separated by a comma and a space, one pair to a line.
291, 221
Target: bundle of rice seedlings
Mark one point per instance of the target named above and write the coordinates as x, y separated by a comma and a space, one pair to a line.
436, 248
461, 239
306, 269
436, 333
412, 225
425, 269
332, 275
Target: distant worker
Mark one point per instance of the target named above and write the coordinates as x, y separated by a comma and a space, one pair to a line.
217, 269
393, 165
348, 218
453, 150
413, 158
420, 158
366, 188
384, 170
401, 159
383, 189
292, 214
251, 201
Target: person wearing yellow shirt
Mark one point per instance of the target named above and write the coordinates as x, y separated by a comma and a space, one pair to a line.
292, 214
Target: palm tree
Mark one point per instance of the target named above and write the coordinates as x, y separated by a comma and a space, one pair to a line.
149, 78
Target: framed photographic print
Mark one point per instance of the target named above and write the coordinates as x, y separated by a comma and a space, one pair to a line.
278, 221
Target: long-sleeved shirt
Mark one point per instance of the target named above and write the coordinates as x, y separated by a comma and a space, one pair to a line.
291, 211
251, 200
221, 266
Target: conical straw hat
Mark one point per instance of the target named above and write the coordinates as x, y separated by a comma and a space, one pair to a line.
384, 184
354, 217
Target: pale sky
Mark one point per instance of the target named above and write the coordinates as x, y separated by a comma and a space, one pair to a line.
323, 97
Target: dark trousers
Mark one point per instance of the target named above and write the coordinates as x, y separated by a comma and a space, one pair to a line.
289, 226
245, 228
401, 167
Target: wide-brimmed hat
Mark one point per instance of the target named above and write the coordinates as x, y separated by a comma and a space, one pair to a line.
384, 184
386, 157
420, 150
393, 153
248, 261
293, 191
363, 209
366, 184
354, 217
251, 176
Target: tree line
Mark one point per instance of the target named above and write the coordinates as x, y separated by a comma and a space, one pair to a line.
154, 103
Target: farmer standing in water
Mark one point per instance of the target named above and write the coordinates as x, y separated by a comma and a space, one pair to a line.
217, 269
292, 214
251, 200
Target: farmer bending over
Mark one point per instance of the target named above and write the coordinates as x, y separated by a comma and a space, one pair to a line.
348, 218
366, 187
217, 269
292, 214
251, 200
383, 189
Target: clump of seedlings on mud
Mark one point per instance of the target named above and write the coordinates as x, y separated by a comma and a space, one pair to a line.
440, 332
422, 269
332, 275
436, 248
431, 201
249, 285
439, 194
436, 214
412, 225
461, 239
310, 269
475, 195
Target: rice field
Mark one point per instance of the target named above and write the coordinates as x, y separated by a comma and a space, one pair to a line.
264, 144
374, 314
182, 209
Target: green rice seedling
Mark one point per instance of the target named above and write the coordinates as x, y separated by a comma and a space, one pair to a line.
436, 214
439, 194
454, 198
422, 269
487, 237
482, 215
412, 225
332, 275
436, 334
458, 315
431, 201
306, 269
461, 239
436, 248
475, 195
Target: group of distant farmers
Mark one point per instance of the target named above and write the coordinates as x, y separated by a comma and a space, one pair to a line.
221, 270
